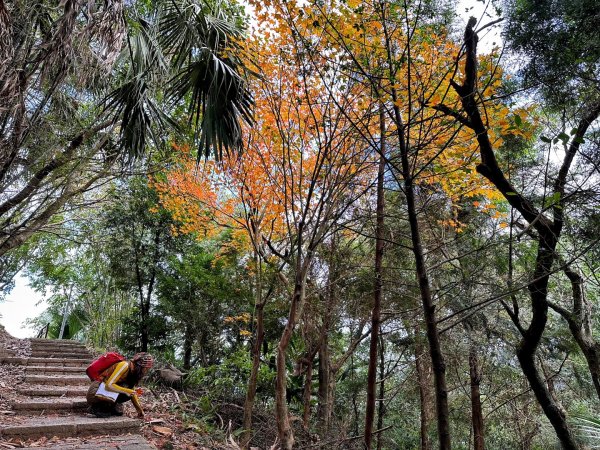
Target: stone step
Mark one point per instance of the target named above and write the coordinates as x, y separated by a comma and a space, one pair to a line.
56, 380
50, 405
23, 361
35, 341
70, 355
69, 426
66, 344
52, 349
69, 344
38, 370
59, 350
129, 442
52, 391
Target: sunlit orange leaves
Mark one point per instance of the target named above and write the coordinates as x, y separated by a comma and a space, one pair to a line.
327, 70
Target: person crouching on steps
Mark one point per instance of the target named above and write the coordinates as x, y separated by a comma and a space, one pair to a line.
106, 398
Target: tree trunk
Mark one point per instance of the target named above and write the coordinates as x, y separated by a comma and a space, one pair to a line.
324, 409
423, 382
580, 325
476, 411
326, 377
187, 348
376, 311
307, 391
253, 380
381, 409
591, 352
548, 231
256, 347
284, 429
145, 299
538, 290
406, 168
437, 358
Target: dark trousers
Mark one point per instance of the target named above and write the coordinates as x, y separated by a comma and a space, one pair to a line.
98, 404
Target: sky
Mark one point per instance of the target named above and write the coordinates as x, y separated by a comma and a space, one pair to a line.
24, 303
20, 305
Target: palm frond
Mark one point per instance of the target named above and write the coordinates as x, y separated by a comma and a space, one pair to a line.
218, 99
146, 54
588, 429
132, 104
198, 39
197, 46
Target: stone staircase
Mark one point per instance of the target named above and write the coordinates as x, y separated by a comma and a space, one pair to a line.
51, 402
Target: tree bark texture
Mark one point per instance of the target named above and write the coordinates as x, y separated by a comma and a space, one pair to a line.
548, 230
437, 358
284, 429
422, 370
253, 380
381, 408
476, 411
376, 311
307, 392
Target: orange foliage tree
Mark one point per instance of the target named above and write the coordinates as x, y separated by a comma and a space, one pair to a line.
326, 74
303, 167
398, 58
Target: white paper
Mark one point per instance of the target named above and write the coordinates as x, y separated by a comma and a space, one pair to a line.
103, 392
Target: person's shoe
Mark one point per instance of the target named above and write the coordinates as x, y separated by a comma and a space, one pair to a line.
118, 410
100, 413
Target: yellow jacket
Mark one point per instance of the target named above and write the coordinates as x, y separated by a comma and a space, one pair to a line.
119, 376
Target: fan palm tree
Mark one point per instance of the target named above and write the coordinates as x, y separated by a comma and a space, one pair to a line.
588, 429
189, 53
88, 84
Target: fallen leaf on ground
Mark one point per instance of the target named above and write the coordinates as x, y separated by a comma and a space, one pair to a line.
165, 431
151, 421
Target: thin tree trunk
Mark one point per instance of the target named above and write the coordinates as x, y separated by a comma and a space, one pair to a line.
307, 392
253, 380
591, 352
476, 411
325, 394
256, 347
324, 408
376, 312
437, 358
187, 348
381, 409
435, 351
579, 324
424, 395
284, 429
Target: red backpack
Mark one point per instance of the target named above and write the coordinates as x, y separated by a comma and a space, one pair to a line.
95, 369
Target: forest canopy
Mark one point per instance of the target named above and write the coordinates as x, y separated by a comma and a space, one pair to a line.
349, 219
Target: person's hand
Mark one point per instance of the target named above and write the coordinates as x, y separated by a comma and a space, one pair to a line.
139, 392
